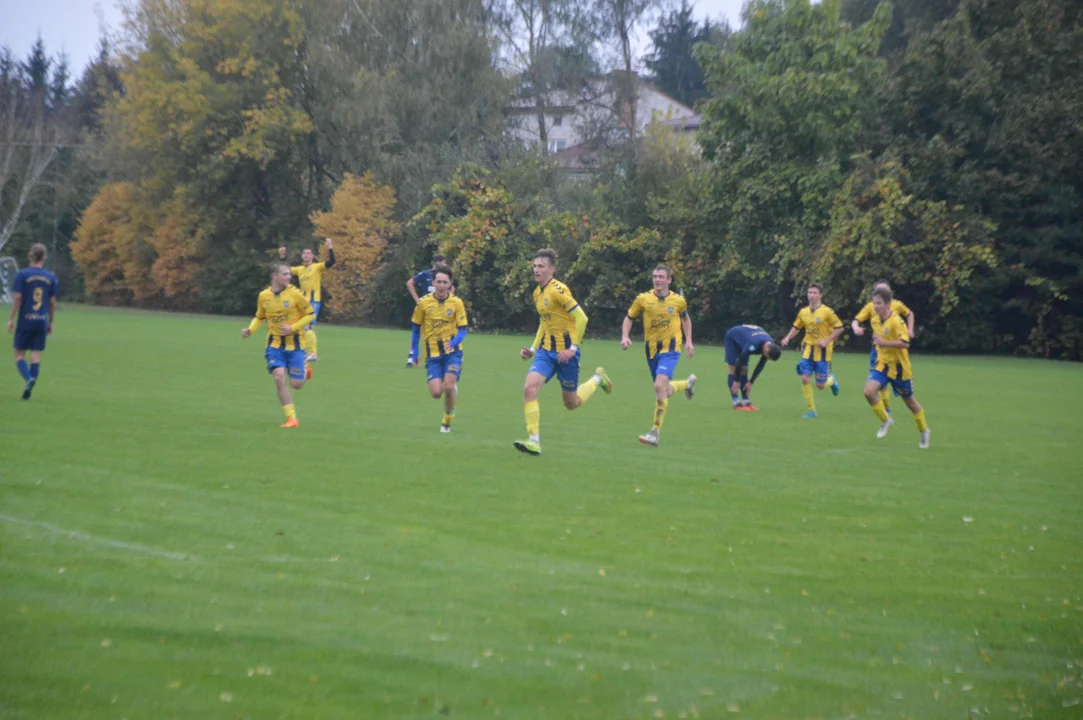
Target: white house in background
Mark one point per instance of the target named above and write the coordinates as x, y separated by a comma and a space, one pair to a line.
572, 120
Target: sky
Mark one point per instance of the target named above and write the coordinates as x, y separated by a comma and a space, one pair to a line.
74, 26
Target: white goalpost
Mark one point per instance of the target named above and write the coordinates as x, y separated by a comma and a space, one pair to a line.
9, 268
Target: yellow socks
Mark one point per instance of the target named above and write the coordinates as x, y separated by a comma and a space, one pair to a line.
806, 390
919, 418
587, 389
880, 410
884, 395
533, 417
660, 413
678, 385
310, 342
448, 417
291, 413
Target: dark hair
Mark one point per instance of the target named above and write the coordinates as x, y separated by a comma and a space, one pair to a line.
884, 295
669, 272
549, 254
442, 269
818, 286
277, 266
881, 283
37, 253
773, 351
438, 260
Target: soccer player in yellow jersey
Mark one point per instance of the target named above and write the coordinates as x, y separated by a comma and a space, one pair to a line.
665, 320
821, 326
555, 350
310, 277
439, 321
286, 312
868, 314
892, 343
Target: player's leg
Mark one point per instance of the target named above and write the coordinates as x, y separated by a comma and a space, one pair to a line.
21, 365
662, 368
905, 388
806, 369
539, 374
310, 335
452, 371
884, 394
575, 394
278, 367
873, 384
731, 377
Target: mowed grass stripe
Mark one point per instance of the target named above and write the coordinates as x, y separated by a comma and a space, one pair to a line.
755, 565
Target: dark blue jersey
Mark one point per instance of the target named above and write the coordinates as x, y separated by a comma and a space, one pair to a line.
743, 341
38, 287
423, 283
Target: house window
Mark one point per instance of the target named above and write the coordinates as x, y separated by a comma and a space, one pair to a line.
558, 120
555, 146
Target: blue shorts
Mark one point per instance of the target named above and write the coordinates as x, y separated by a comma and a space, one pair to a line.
905, 388
545, 363
733, 350
663, 364
292, 360
437, 367
316, 305
30, 338
820, 368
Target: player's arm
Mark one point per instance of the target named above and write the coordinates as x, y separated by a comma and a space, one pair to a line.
415, 341
793, 331
910, 323
16, 303
580, 329
881, 342
330, 254
837, 326
759, 368
52, 311
464, 328
862, 316
257, 321
309, 315
412, 287
686, 326
625, 329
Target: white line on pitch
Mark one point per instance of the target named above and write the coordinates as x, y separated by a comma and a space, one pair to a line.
134, 547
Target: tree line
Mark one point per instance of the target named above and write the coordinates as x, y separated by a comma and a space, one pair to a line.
933, 143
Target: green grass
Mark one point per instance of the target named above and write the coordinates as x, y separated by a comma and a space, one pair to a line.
168, 551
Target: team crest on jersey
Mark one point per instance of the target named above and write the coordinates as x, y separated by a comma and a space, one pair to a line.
545, 302
285, 303
818, 321
449, 311
670, 309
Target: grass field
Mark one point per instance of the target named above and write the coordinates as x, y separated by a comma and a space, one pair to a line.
168, 551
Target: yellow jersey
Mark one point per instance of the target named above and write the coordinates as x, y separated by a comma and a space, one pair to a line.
310, 278
868, 314
894, 362
288, 306
818, 324
662, 330
555, 305
440, 320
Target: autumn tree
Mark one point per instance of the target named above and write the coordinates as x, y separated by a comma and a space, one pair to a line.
360, 223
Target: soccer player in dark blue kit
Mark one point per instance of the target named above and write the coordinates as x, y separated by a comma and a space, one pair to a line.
742, 342
35, 303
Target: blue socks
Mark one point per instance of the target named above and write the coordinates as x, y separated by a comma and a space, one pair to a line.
729, 384
24, 369
744, 381
35, 368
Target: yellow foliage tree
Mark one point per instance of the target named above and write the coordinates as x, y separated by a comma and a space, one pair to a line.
110, 247
179, 242
359, 222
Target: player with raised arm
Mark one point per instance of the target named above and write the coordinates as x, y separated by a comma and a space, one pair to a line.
868, 314
893, 368
742, 342
439, 321
34, 301
310, 277
287, 312
555, 350
822, 326
665, 321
